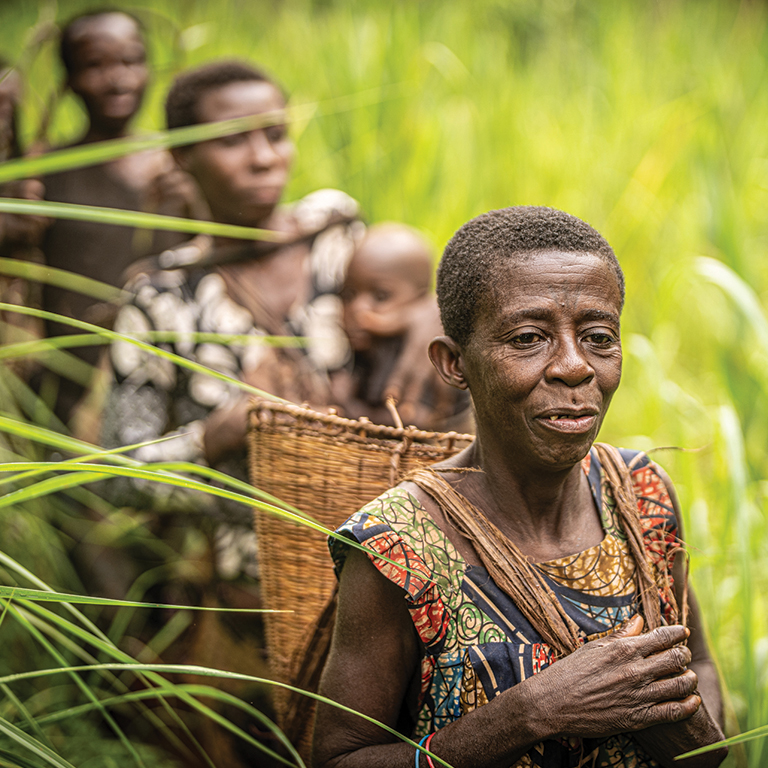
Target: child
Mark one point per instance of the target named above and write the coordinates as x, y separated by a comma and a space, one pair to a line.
389, 275
104, 57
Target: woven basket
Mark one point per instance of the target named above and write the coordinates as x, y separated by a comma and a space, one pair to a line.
327, 467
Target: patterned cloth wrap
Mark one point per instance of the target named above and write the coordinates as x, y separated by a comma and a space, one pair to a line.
475, 642
153, 398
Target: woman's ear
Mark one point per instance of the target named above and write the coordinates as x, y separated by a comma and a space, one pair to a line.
446, 356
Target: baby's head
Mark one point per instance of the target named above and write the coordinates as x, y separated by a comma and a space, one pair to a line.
390, 270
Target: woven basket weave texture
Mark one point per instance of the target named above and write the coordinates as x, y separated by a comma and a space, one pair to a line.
327, 467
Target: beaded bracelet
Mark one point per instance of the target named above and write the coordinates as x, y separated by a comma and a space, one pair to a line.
421, 744
426, 746
425, 743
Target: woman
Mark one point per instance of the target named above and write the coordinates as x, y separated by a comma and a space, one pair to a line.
229, 287
233, 287
463, 643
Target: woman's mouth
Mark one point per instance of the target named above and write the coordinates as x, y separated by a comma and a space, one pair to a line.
573, 423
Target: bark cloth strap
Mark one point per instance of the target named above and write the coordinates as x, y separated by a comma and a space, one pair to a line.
514, 574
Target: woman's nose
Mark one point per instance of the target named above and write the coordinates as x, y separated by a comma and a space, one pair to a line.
262, 153
569, 363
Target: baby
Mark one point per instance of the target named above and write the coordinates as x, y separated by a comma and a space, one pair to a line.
389, 275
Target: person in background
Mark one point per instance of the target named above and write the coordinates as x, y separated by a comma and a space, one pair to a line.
289, 287
19, 235
105, 60
235, 287
389, 273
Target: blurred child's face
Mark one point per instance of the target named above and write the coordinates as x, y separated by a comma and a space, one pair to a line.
376, 300
109, 71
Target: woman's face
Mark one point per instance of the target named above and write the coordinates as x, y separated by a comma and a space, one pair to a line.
242, 176
545, 357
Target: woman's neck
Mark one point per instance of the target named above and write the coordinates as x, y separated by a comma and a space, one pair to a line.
273, 219
547, 514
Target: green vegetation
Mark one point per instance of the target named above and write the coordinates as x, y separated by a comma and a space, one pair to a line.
646, 119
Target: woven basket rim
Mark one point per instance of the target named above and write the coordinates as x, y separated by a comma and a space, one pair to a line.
341, 424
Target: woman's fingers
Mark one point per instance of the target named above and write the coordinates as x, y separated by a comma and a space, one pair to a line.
661, 638
671, 662
652, 656
671, 711
631, 628
675, 688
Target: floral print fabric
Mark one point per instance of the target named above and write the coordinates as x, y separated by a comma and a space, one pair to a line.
476, 643
152, 397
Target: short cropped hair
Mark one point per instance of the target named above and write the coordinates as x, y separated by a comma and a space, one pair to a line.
472, 256
189, 87
71, 29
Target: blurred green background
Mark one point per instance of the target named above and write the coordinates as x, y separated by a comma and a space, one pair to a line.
647, 119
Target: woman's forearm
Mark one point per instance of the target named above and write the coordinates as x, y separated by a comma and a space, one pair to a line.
510, 718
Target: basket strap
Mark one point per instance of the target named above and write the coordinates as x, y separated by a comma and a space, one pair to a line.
507, 565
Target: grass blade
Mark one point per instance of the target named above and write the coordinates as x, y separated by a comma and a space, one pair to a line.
113, 335
742, 738
42, 596
139, 219
61, 278
104, 151
25, 741
190, 669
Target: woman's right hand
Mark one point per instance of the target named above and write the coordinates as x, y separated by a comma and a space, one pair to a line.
626, 681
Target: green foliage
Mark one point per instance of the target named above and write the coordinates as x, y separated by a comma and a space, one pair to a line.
645, 119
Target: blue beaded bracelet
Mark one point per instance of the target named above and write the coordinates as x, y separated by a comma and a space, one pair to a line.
418, 751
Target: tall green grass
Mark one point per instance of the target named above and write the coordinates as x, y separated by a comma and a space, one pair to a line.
646, 119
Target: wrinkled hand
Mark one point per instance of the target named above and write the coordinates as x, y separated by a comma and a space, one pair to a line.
624, 682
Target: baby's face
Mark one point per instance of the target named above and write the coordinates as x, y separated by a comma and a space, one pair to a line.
376, 302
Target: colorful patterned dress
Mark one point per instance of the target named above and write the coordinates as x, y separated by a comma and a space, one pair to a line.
475, 642
151, 398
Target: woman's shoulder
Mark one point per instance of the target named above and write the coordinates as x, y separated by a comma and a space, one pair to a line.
394, 510
655, 492
322, 207
394, 522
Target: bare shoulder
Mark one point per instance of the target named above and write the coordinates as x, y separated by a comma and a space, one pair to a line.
463, 481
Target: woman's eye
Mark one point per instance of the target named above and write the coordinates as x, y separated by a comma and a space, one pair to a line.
382, 296
230, 141
526, 338
276, 133
601, 339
